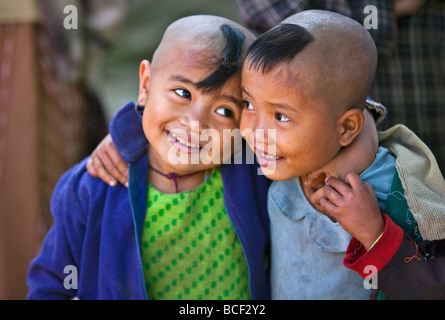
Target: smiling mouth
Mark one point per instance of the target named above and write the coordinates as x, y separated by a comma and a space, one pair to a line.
268, 156
183, 142
267, 160
259, 151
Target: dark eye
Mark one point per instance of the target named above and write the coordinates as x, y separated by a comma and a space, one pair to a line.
183, 93
247, 105
281, 117
226, 112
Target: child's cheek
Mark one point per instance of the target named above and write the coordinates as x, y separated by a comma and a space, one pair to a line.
245, 129
243, 122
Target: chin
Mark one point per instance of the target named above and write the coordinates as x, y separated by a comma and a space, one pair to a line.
276, 175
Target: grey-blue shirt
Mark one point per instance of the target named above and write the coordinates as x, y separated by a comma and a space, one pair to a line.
307, 247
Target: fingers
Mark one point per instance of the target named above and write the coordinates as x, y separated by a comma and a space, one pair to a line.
114, 164
314, 196
354, 180
314, 178
328, 207
101, 165
358, 185
370, 189
120, 165
336, 194
90, 167
107, 164
333, 195
97, 169
337, 184
320, 191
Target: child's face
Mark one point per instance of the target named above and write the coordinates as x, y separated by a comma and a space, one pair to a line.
305, 135
178, 115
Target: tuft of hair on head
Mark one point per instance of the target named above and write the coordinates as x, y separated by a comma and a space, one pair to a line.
228, 61
343, 55
222, 42
280, 44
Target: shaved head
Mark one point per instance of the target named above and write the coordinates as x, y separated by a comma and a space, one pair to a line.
201, 28
217, 43
333, 54
343, 52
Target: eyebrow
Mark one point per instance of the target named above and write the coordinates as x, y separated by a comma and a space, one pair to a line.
277, 105
232, 99
183, 79
283, 106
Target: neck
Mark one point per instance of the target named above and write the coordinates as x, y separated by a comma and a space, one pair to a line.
170, 180
317, 184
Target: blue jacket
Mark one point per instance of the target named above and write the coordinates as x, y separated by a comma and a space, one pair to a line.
93, 249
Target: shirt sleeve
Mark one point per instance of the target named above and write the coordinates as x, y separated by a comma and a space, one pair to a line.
357, 258
406, 269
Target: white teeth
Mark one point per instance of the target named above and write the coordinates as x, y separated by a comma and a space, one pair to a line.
184, 142
269, 157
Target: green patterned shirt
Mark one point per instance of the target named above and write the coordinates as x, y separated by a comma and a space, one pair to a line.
189, 247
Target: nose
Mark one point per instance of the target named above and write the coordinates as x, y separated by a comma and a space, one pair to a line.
196, 117
263, 131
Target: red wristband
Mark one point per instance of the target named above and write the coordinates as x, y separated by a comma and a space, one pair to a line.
357, 258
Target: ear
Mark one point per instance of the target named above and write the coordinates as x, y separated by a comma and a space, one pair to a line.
144, 80
351, 123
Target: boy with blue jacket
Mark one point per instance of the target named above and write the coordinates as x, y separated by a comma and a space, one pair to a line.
181, 231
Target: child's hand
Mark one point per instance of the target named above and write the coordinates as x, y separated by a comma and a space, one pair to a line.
354, 205
356, 157
313, 185
315, 181
106, 163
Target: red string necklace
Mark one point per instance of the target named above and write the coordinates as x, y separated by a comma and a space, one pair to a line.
173, 176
